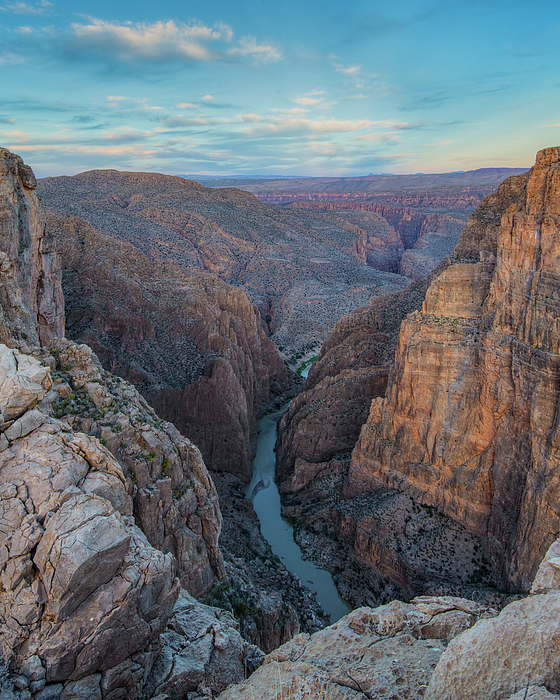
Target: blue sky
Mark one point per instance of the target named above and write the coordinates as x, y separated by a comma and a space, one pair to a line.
298, 87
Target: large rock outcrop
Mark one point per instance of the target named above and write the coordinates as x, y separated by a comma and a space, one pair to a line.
387, 652
105, 510
469, 423
440, 647
31, 301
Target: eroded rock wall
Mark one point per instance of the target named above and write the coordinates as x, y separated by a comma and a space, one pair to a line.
192, 344
31, 300
469, 423
324, 419
106, 511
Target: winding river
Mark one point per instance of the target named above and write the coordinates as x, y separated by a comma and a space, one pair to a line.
278, 532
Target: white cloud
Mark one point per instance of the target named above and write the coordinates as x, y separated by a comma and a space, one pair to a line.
308, 101
166, 41
24, 8
297, 126
353, 71
11, 58
293, 110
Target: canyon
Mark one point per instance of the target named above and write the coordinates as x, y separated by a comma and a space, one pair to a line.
463, 434
417, 463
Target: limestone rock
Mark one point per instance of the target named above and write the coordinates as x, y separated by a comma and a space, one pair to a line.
373, 652
498, 657
84, 597
467, 423
534, 692
31, 300
324, 420
202, 647
23, 382
192, 344
170, 491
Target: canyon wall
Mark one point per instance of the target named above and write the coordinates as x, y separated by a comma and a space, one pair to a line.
32, 304
470, 420
108, 516
299, 267
192, 344
324, 419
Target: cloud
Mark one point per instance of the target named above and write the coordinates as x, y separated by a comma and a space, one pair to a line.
293, 110
11, 59
287, 126
24, 8
307, 101
164, 42
353, 71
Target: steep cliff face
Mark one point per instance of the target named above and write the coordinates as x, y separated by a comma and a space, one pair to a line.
324, 419
470, 420
32, 305
106, 511
191, 343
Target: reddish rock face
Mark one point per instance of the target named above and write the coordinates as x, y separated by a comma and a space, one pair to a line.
469, 423
324, 420
191, 343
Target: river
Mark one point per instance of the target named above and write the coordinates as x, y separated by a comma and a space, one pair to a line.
278, 532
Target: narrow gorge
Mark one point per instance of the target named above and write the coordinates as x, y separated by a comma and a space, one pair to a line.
417, 461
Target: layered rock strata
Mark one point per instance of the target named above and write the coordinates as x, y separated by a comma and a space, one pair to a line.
192, 344
469, 422
324, 419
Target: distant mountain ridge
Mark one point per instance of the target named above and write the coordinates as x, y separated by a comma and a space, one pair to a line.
482, 176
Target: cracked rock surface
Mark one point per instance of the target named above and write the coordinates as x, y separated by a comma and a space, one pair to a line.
385, 652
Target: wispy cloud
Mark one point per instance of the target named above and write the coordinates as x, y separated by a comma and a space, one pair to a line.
11, 58
24, 8
353, 71
275, 126
165, 41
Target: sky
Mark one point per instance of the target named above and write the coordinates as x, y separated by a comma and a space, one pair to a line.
266, 88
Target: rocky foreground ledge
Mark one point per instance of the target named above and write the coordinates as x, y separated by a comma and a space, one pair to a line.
438, 648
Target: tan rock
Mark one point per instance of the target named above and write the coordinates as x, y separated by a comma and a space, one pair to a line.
466, 425
370, 652
31, 300
534, 692
498, 657
202, 647
20, 387
324, 420
83, 546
